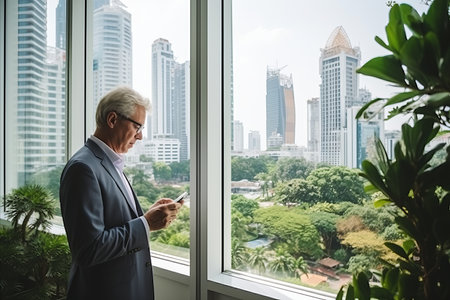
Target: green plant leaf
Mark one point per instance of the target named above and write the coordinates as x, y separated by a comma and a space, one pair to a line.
402, 97
409, 246
366, 106
386, 68
340, 293
361, 284
383, 160
377, 292
396, 249
439, 99
395, 30
382, 43
372, 174
389, 279
436, 19
350, 295
381, 202
412, 19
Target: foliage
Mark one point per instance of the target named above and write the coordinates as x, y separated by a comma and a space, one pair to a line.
292, 168
33, 264
419, 63
336, 184
297, 191
325, 224
161, 171
181, 170
245, 206
27, 201
248, 168
286, 226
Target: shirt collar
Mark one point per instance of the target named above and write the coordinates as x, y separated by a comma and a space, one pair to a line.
116, 158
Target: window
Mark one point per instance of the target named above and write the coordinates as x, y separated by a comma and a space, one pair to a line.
298, 212
31, 151
146, 46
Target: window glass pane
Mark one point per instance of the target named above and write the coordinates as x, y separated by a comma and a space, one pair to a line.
298, 209
36, 94
146, 45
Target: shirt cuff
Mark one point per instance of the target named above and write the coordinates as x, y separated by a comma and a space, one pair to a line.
147, 228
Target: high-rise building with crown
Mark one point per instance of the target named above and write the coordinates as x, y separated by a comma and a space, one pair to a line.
280, 106
338, 92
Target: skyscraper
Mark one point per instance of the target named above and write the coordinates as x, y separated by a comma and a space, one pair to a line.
112, 48
162, 88
60, 28
181, 107
238, 143
313, 124
40, 97
254, 141
280, 106
338, 92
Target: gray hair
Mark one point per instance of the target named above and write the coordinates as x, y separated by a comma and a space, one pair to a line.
123, 100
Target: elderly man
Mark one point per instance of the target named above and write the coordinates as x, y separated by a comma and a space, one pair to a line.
105, 225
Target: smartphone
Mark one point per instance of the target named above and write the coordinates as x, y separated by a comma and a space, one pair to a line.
181, 197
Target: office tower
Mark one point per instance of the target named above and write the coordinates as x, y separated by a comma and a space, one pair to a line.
181, 107
60, 28
40, 119
254, 141
280, 106
112, 47
238, 142
162, 87
362, 134
313, 124
338, 92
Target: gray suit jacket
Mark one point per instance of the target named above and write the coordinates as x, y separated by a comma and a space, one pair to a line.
108, 242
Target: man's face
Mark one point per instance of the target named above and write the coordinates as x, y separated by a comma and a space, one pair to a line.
126, 131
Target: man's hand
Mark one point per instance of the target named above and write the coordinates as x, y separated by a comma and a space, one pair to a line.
162, 213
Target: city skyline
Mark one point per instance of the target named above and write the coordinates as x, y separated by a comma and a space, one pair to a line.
287, 33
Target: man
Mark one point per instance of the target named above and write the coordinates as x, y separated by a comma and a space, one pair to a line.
105, 225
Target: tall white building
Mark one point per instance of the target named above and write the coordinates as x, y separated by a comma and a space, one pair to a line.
112, 65
254, 141
162, 88
181, 107
38, 98
238, 142
338, 92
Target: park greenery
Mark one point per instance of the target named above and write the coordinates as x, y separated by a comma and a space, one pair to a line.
416, 182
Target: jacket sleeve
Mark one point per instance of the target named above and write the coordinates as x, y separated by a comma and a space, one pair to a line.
98, 227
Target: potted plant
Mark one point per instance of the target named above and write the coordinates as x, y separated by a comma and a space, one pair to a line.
420, 64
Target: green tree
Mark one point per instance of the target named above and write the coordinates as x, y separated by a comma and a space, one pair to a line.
258, 259
244, 205
24, 202
292, 168
248, 168
325, 224
290, 227
338, 184
161, 171
239, 254
297, 191
181, 170
283, 262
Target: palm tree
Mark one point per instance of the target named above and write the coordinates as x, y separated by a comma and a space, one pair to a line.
24, 202
239, 254
301, 267
258, 259
283, 262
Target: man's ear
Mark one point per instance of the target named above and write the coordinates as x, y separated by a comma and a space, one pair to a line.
111, 119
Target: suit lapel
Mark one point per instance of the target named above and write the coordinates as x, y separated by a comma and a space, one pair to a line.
109, 167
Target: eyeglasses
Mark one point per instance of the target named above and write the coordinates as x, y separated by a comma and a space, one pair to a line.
139, 127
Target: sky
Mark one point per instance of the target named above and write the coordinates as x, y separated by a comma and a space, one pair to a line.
271, 33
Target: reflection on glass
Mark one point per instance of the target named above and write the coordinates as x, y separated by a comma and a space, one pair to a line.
299, 212
134, 44
36, 108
